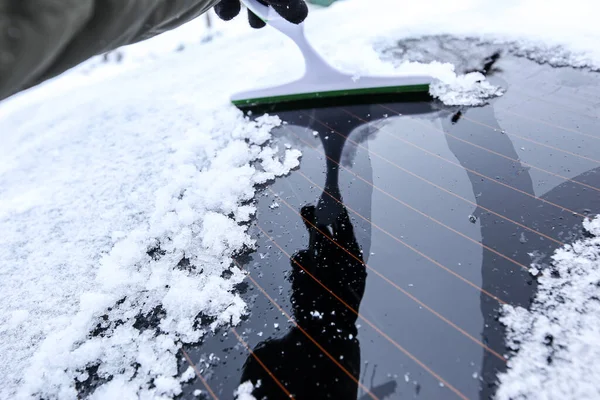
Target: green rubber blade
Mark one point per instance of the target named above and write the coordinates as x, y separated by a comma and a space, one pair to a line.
334, 93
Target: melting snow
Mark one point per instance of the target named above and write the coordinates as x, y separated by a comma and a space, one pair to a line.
557, 342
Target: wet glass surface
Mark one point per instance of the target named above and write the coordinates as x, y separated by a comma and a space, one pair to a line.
404, 230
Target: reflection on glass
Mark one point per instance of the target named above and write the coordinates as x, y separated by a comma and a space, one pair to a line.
499, 276
333, 260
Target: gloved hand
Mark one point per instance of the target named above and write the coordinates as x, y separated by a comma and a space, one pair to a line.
294, 11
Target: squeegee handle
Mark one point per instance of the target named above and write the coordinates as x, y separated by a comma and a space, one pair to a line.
260, 10
317, 68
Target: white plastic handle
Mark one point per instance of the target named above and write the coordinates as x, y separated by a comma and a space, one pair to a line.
316, 67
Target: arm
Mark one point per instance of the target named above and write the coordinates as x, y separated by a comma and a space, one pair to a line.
40, 39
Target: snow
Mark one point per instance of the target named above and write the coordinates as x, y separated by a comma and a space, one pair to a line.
188, 375
545, 31
556, 344
124, 203
471, 89
244, 391
124, 186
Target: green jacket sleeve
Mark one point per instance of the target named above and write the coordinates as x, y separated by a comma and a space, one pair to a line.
40, 39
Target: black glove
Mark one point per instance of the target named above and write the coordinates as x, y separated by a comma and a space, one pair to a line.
294, 11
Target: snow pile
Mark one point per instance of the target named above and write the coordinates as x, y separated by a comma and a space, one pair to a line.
470, 89
557, 343
121, 208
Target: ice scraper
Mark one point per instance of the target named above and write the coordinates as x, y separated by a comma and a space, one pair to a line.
321, 81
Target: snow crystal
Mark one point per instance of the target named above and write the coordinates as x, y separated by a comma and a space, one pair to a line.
556, 344
244, 391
